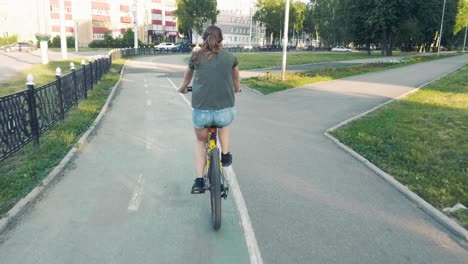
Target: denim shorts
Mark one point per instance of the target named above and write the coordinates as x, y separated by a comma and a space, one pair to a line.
220, 118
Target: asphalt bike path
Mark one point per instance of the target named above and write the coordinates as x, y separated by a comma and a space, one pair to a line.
309, 201
126, 197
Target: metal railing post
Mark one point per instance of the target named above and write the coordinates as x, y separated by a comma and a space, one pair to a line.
96, 71
91, 73
75, 85
33, 122
85, 83
58, 76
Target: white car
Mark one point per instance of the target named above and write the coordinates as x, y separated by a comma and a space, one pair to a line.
165, 46
341, 48
248, 48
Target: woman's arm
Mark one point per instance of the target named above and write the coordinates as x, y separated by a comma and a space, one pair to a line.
187, 78
235, 79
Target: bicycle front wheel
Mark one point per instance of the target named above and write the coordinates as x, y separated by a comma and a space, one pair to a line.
215, 188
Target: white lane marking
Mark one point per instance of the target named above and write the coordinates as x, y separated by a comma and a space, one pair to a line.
249, 234
252, 245
137, 195
148, 102
149, 142
181, 95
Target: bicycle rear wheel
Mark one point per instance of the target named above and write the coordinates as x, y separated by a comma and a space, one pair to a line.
215, 188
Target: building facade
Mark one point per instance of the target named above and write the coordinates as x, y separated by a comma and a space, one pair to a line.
236, 29
90, 19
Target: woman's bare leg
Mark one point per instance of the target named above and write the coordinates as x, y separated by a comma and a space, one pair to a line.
200, 150
223, 134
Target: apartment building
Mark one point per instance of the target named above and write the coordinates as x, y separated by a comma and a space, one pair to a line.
236, 25
90, 19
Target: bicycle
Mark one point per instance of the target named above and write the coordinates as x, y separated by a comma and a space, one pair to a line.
215, 180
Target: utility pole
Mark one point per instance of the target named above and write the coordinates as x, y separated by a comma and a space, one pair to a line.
43, 42
250, 35
285, 41
464, 42
63, 37
135, 25
441, 28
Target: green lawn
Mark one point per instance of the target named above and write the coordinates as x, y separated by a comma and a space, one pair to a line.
260, 60
270, 83
422, 140
23, 171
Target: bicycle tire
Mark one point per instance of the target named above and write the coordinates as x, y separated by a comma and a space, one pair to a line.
215, 188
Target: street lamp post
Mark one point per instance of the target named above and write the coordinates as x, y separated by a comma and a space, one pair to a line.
285, 41
135, 25
441, 28
42, 41
250, 34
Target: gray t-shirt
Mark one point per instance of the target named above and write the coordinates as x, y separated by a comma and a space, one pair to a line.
212, 87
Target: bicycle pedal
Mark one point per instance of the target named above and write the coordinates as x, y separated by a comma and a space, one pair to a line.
224, 191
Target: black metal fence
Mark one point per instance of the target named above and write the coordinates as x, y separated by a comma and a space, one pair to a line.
25, 115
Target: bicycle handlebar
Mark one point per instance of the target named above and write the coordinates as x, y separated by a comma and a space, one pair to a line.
189, 89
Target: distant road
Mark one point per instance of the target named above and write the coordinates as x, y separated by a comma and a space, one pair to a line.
13, 62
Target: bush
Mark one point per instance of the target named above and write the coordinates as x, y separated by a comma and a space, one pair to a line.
8, 40
55, 42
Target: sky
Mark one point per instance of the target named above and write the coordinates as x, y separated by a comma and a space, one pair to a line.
240, 4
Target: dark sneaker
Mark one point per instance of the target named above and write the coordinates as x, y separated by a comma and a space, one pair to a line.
197, 187
226, 159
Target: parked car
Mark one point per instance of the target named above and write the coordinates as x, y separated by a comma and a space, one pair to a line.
249, 48
181, 48
165, 46
18, 46
341, 49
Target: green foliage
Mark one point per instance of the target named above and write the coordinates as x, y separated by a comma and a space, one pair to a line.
126, 41
195, 14
8, 40
55, 42
270, 14
462, 16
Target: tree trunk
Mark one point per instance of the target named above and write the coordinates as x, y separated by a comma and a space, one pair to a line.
390, 45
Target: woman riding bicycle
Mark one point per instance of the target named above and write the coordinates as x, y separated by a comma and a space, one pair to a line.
214, 84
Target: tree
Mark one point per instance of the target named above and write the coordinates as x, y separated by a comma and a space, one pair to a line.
270, 14
330, 19
298, 10
195, 14
462, 16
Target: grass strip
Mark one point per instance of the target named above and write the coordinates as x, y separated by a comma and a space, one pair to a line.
270, 83
422, 141
42, 74
23, 171
248, 61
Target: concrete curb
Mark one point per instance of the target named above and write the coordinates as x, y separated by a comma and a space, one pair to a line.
20, 207
425, 206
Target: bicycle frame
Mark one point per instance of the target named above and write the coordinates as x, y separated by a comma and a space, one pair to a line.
211, 144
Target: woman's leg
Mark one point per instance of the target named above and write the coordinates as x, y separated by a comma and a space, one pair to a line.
223, 134
200, 150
